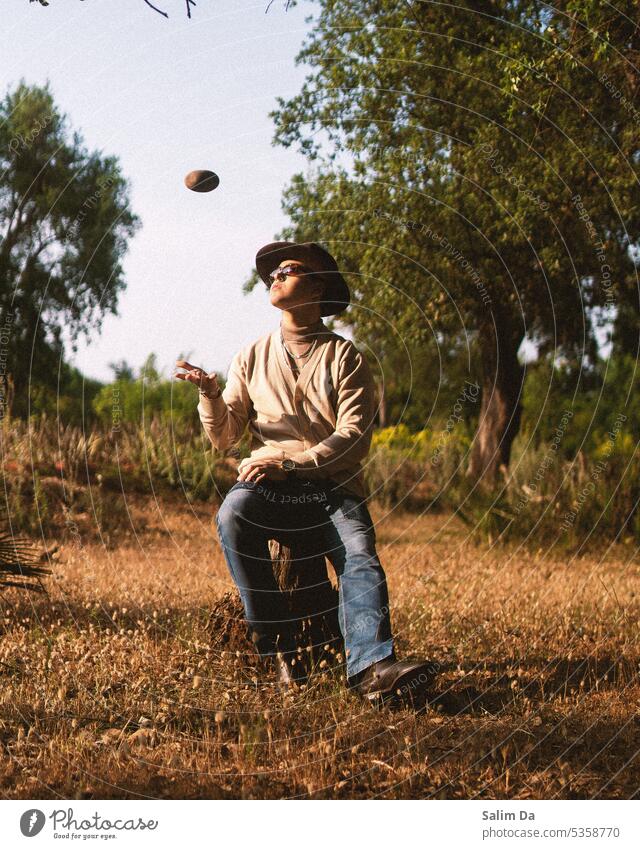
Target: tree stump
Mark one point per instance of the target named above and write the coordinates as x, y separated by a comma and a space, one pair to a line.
312, 603
312, 599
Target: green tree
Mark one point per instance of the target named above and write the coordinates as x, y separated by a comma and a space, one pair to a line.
464, 208
139, 399
65, 220
68, 396
122, 370
582, 77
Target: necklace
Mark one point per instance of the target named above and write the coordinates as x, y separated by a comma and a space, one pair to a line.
306, 354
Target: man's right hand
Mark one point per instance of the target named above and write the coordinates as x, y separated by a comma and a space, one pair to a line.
206, 383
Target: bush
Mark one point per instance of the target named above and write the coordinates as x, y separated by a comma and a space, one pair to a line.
413, 469
146, 397
54, 473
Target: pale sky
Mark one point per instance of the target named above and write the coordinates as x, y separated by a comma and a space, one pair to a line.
168, 95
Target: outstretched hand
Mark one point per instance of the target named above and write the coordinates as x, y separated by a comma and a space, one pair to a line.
207, 383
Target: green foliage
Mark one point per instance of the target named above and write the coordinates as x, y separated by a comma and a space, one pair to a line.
446, 172
70, 398
145, 397
547, 499
423, 381
575, 471
579, 79
65, 222
415, 469
477, 181
595, 399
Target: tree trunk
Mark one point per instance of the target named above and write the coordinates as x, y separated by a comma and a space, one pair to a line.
312, 598
500, 407
312, 601
625, 337
382, 405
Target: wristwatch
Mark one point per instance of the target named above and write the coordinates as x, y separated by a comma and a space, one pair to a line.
289, 467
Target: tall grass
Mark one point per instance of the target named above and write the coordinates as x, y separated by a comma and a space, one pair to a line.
415, 470
56, 475
53, 473
547, 498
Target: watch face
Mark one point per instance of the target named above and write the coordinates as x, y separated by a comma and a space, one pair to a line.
288, 465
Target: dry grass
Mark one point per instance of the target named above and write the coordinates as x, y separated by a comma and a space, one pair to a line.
118, 686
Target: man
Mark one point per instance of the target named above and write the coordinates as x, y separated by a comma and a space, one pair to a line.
308, 396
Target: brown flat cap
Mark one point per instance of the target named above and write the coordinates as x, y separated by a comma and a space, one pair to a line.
337, 294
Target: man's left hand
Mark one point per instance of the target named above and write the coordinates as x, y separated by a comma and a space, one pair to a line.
256, 470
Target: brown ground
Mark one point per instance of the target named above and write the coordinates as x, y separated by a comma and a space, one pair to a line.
117, 686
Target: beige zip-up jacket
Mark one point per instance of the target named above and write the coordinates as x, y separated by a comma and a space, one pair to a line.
323, 420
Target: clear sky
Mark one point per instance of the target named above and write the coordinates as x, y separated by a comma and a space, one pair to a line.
167, 95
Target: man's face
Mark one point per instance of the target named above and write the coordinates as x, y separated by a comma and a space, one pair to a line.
299, 288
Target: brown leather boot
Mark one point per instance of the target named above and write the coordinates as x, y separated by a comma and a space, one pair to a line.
390, 677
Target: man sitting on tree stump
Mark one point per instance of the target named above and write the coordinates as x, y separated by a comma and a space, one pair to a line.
308, 396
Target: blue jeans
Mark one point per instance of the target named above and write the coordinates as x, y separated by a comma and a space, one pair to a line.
338, 524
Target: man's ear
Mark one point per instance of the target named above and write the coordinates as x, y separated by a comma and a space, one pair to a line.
321, 284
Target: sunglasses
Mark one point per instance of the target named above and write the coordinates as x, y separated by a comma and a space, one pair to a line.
280, 274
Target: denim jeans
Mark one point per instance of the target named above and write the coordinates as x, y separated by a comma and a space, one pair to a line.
338, 524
